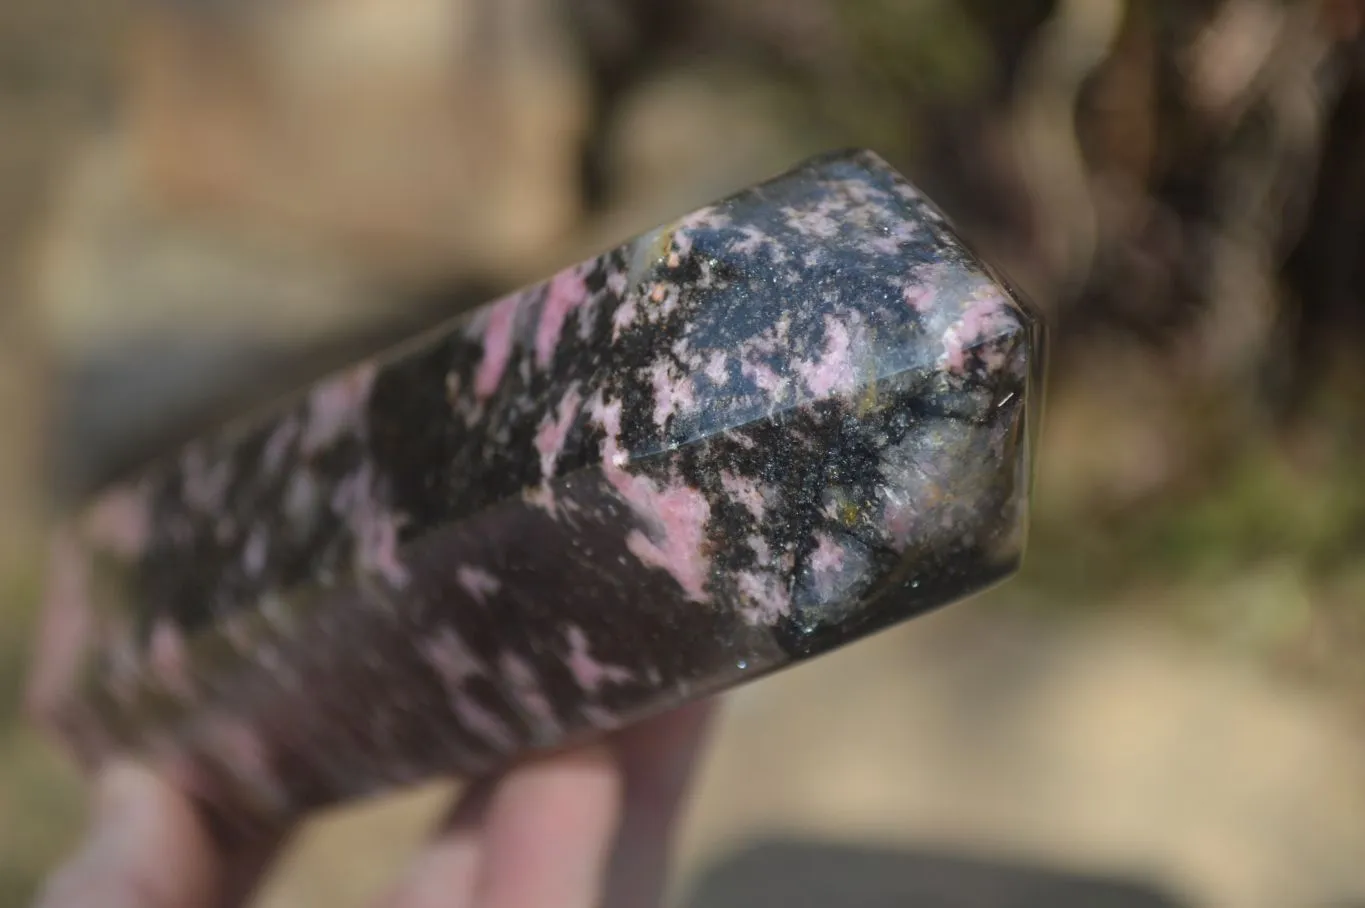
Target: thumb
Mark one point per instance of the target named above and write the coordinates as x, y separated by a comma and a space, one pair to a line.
145, 849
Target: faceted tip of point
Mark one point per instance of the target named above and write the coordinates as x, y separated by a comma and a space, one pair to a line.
984, 338
1026, 362
953, 494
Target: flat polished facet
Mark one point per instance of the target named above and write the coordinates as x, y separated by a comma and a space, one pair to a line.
767, 429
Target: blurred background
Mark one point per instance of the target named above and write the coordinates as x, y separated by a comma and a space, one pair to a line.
207, 201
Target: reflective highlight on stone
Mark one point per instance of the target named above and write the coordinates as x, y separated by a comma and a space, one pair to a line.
774, 426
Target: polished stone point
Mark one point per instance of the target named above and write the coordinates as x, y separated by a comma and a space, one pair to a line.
767, 429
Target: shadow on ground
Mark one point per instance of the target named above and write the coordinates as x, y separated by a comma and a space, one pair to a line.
813, 874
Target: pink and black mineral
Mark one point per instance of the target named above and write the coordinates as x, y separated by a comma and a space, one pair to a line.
774, 426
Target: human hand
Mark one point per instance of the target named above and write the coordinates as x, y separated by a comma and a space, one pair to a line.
579, 829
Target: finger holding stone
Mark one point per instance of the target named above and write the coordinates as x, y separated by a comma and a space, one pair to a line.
146, 848
549, 832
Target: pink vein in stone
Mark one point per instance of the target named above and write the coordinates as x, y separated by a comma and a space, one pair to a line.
828, 556
664, 297
566, 293
891, 242
587, 671
277, 445
497, 345
745, 491
763, 376
831, 569
337, 406
477, 582
920, 297
526, 691
599, 717
617, 286
754, 239
741, 439
455, 664
378, 535
989, 316
821, 221
900, 517
767, 598
554, 431
374, 527
710, 218
682, 514
452, 660
625, 315
763, 553
715, 367
677, 513
923, 289
671, 394
682, 247
834, 370
482, 722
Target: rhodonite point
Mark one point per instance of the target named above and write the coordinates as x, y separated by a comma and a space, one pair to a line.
768, 428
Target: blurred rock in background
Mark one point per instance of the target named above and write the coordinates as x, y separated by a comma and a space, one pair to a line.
203, 203
282, 177
427, 135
